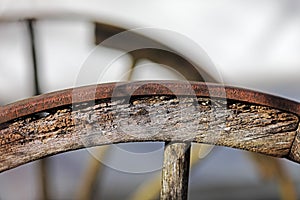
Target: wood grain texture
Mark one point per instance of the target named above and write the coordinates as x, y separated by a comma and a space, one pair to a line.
229, 123
175, 172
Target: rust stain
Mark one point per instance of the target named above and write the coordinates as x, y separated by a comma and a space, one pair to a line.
141, 88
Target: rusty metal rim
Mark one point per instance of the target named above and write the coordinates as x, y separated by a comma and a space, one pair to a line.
141, 88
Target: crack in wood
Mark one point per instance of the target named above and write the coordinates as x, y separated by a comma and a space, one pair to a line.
294, 153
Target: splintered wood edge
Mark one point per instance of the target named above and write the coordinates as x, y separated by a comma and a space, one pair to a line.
89, 116
295, 149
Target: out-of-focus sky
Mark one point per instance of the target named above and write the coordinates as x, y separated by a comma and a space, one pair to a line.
254, 44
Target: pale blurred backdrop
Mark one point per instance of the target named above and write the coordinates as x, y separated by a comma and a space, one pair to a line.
253, 44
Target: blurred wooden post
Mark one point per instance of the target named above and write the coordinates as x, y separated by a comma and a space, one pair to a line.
175, 173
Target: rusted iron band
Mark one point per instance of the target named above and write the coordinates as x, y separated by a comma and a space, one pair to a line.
141, 88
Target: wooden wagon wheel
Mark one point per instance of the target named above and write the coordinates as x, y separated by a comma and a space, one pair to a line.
281, 121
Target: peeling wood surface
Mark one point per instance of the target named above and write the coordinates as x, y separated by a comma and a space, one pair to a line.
175, 173
231, 123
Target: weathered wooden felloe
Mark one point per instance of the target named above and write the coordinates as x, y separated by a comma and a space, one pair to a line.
176, 112
156, 117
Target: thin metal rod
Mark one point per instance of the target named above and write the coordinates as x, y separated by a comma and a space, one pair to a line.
31, 24
175, 173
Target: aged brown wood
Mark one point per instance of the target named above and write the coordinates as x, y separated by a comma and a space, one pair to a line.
175, 173
152, 113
